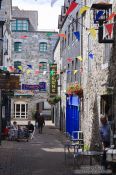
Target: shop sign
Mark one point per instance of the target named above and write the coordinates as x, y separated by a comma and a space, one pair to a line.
10, 83
53, 80
24, 93
41, 86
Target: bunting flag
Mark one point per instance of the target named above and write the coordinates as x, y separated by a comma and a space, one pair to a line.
36, 72
68, 71
109, 28
71, 7
93, 32
20, 67
51, 72
28, 71
111, 16
30, 66
99, 14
44, 73
80, 58
83, 9
62, 35
11, 69
53, 2
69, 59
75, 71
58, 72
23, 37
40, 65
77, 34
91, 56
49, 34
4, 68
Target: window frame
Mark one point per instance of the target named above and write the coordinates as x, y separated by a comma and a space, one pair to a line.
18, 113
18, 47
43, 47
20, 25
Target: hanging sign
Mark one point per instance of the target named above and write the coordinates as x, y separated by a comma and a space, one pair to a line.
9, 83
53, 80
41, 86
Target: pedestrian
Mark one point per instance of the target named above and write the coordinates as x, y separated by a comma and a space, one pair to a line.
41, 123
36, 116
105, 137
30, 127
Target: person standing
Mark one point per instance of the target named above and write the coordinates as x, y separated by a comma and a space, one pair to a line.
41, 123
37, 115
105, 137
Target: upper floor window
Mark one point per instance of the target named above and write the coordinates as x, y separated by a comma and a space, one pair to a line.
20, 25
43, 47
17, 46
43, 66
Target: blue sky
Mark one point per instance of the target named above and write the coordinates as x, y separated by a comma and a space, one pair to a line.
47, 15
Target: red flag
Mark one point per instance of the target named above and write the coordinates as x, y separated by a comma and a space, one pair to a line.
109, 28
62, 35
24, 37
111, 16
69, 59
72, 7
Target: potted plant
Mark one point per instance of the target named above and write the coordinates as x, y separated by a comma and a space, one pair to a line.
75, 89
54, 100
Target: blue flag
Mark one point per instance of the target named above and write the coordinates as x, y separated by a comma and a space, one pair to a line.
99, 14
77, 34
91, 55
30, 66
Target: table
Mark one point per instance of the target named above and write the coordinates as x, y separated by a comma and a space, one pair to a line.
90, 154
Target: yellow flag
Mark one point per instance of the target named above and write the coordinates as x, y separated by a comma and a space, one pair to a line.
28, 72
20, 67
75, 71
93, 32
80, 58
83, 9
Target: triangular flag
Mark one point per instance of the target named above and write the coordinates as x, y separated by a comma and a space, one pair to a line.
40, 65
75, 71
99, 14
28, 71
68, 71
109, 28
69, 59
4, 68
49, 34
77, 34
91, 55
11, 69
80, 58
51, 72
93, 32
72, 7
30, 66
83, 9
53, 2
44, 73
23, 37
36, 72
58, 71
62, 35
111, 16
20, 67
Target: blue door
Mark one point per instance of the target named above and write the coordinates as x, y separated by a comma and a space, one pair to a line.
72, 116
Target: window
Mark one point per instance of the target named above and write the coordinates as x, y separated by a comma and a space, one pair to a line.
43, 66
20, 110
0, 3
20, 25
77, 21
43, 47
17, 46
68, 34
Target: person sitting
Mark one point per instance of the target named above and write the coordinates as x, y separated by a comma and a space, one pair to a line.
30, 127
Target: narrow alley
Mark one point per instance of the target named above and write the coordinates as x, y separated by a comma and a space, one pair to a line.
43, 155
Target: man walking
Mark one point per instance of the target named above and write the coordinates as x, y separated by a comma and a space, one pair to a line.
41, 123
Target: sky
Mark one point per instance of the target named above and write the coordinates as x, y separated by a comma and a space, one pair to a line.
47, 15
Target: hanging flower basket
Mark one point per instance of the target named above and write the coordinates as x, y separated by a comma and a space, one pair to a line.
75, 89
54, 100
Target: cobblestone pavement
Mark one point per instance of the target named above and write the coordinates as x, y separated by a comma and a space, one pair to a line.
43, 155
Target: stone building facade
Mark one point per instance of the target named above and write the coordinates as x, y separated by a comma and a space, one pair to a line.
69, 51
32, 52
97, 99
